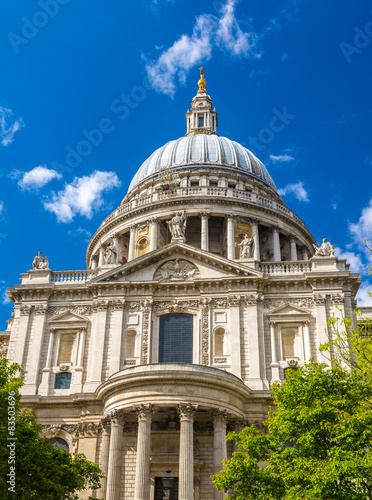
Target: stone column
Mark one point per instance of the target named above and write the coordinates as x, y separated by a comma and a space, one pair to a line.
104, 458
219, 446
132, 235
275, 372
186, 461
307, 345
256, 239
24, 318
44, 386
115, 455
94, 262
36, 344
255, 342
101, 258
204, 231
321, 325
276, 244
305, 253
231, 236
142, 485
154, 234
78, 375
116, 336
98, 334
293, 248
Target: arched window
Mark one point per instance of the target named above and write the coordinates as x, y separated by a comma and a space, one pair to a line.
60, 443
219, 342
130, 344
142, 246
289, 337
175, 338
65, 348
63, 381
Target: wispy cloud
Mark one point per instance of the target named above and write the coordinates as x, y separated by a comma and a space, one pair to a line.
36, 178
80, 232
1, 206
354, 259
4, 298
364, 295
8, 126
283, 158
82, 197
297, 190
209, 32
362, 229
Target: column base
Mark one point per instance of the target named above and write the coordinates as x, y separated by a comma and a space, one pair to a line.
275, 372
44, 386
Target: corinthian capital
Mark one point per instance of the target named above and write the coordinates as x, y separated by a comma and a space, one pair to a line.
186, 411
144, 411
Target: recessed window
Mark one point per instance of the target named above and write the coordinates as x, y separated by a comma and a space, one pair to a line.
130, 344
231, 185
194, 183
200, 121
175, 338
289, 337
60, 444
213, 183
63, 381
65, 349
219, 341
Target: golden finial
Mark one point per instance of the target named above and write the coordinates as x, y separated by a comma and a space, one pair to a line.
202, 83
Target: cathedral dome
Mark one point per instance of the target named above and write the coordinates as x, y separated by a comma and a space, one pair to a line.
203, 149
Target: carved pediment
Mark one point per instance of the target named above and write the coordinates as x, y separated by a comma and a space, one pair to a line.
68, 319
289, 312
176, 270
163, 265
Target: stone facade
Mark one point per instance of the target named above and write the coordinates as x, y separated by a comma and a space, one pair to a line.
90, 341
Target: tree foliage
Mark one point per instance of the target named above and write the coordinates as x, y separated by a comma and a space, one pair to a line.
317, 445
41, 470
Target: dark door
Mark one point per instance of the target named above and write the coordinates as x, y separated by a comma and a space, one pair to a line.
159, 494
175, 338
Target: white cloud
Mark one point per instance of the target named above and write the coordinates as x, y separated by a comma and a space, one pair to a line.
37, 178
8, 129
363, 296
5, 299
82, 197
355, 260
208, 32
281, 158
81, 232
297, 189
1, 206
362, 229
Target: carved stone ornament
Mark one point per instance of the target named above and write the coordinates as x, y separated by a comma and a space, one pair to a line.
41, 309
220, 416
292, 362
25, 310
144, 411
186, 411
306, 303
319, 299
40, 262
234, 301
81, 310
220, 360
175, 305
220, 302
337, 298
176, 270
325, 249
63, 368
117, 417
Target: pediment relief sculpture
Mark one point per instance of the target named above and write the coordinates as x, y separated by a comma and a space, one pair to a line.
176, 270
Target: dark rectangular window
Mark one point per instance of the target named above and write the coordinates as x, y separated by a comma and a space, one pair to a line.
200, 121
63, 381
159, 495
175, 338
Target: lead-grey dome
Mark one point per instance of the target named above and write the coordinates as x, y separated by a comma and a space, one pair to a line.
203, 149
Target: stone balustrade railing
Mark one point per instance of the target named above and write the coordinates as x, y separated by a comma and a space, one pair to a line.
73, 276
286, 267
205, 191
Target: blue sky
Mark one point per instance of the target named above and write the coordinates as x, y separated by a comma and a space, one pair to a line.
89, 90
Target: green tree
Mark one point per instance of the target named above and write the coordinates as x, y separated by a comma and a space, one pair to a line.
318, 443
41, 470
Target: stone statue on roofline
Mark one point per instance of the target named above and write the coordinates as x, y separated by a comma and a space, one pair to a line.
40, 262
110, 254
246, 247
325, 250
177, 226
